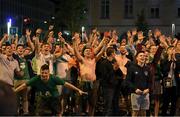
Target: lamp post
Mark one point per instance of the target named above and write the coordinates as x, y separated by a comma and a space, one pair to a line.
8, 26
82, 33
173, 30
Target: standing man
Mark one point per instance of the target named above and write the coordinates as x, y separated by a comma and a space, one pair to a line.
24, 63
177, 76
46, 86
87, 65
110, 70
9, 67
138, 77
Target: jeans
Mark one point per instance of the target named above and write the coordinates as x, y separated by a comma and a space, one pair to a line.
108, 94
169, 95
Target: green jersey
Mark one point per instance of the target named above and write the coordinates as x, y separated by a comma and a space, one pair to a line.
24, 67
46, 87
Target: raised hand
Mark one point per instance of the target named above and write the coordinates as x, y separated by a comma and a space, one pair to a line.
5, 37
28, 32
138, 91
76, 36
134, 32
60, 34
38, 31
146, 91
140, 35
162, 39
128, 34
94, 30
163, 43
51, 27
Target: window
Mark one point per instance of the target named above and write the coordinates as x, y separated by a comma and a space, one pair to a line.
178, 12
105, 9
128, 8
157, 13
154, 12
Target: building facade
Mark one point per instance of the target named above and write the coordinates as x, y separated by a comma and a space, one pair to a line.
122, 14
23, 12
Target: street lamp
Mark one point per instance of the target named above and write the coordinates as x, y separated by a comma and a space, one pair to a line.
45, 22
173, 30
67, 33
82, 33
8, 26
53, 17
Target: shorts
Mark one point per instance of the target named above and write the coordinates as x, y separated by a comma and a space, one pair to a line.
140, 102
87, 87
47, 105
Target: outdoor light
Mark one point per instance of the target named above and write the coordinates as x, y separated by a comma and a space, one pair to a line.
82, 28
82, 33
66, 32
8, 26
53, 17
25, 20
173, 29
84, 12
45, 22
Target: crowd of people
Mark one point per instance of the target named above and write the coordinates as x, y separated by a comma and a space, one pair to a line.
53, 76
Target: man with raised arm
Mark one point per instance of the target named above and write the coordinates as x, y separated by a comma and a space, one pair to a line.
48, 95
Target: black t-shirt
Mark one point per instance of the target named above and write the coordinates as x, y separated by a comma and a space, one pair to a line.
138, 77
28, 60
98, 70
109, 74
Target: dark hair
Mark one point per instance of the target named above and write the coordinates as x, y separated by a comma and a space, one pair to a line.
109, 51
20, 45
3, 44
7, 44
45, 67
139, 53
85, 47
45, 43
8, 101
151, 46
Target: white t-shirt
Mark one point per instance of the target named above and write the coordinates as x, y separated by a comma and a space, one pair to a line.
62, 66
42, 59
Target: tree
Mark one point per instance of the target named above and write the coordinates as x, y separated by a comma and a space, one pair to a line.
141, 23
70, 14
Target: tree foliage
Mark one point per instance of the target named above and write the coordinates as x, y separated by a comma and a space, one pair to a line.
141, 23
70, 14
